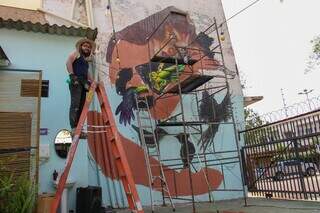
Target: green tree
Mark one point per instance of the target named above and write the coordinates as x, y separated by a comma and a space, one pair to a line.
252, 118
314, 58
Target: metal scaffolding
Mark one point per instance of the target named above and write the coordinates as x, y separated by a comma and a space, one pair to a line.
189, 83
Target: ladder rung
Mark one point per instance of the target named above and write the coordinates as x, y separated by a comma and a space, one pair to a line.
148, 136
169, 197
146, 127
142, 98
128, 193
158, 177
143, 117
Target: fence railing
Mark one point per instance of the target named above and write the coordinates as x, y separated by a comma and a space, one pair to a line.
311, 104
282, 159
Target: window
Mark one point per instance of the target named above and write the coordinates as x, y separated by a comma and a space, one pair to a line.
30, 88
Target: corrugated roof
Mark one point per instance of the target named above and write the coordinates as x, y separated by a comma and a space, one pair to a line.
35, 21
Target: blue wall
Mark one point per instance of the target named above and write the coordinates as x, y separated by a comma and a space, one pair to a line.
38, 51
28, 50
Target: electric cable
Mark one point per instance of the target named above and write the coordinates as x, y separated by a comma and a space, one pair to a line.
226, 20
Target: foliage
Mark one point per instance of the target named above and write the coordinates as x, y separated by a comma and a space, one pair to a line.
314, 57
316, 46
17, 192
252, 119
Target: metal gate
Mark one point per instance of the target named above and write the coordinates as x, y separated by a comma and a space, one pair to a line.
281, 159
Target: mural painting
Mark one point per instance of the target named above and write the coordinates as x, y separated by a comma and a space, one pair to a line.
131, 71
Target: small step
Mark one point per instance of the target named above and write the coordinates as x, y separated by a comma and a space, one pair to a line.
153, 151
151, 145
146, 126
142, 117
142, 109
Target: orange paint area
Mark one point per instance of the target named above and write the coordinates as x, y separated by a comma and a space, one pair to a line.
178, 182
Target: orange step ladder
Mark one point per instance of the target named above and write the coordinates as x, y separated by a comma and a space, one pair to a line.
117, 150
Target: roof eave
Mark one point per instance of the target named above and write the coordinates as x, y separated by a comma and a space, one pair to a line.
50, 29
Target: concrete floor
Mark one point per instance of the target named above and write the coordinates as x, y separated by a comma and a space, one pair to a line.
255, 205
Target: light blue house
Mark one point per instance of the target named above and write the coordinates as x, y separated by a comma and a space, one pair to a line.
30, 44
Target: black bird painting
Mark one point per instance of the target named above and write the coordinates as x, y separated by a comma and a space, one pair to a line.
211, 111
128, 104
159, 133
184, 141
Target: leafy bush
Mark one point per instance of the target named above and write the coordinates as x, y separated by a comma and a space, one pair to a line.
17, 192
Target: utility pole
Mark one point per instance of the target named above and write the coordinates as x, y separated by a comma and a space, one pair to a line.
306, 93
284, 103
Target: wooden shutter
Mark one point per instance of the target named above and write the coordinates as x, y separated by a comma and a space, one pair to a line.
15, 133
29, 88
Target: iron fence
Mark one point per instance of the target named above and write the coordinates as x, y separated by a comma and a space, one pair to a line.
281, 159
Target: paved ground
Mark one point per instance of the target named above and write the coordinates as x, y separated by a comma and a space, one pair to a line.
255, 205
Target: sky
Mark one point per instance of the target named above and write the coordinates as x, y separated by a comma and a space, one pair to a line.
271, 41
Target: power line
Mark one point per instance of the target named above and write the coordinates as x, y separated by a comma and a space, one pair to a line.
225, 21
239, 12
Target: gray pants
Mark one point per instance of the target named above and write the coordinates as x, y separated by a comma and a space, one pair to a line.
78, 98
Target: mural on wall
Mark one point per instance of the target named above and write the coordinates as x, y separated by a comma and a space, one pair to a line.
131, 71
128, 53
176, 180
215, 113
